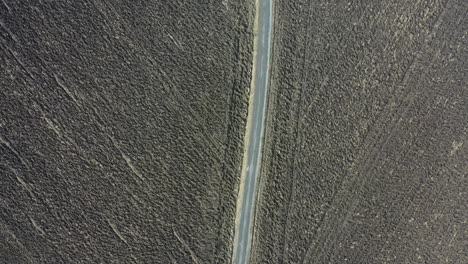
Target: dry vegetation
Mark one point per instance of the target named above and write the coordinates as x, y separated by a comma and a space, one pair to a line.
121, 128
365, 160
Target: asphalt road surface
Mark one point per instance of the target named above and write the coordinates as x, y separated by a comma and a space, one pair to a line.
256, 126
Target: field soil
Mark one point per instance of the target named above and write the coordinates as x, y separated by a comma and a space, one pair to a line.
121, 129
365, 159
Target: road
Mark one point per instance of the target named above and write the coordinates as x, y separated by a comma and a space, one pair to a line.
254, 132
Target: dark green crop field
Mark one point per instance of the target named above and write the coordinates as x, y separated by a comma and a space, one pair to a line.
366, 153
121, 129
